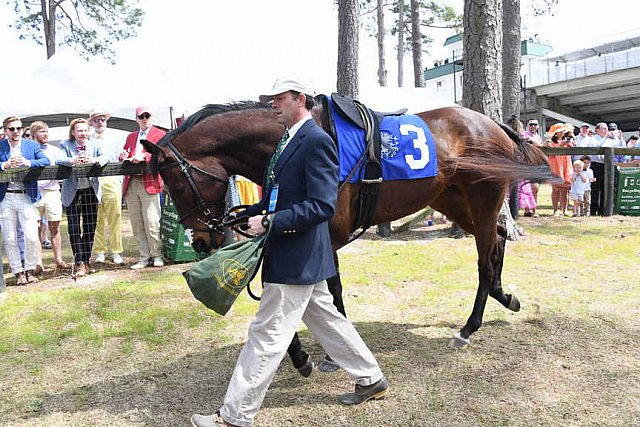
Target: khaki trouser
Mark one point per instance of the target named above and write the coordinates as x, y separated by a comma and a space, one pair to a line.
109, 216
144, 214
281, 309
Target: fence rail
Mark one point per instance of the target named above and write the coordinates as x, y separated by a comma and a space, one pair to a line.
128, 168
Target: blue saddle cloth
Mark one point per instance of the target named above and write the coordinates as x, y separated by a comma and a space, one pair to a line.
408, 149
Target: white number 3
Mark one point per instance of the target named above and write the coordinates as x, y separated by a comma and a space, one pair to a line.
419, 142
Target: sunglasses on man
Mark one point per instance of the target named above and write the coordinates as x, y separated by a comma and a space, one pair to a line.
13, 129
144, 116
533, 124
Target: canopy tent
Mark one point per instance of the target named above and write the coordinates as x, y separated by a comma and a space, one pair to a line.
67, 87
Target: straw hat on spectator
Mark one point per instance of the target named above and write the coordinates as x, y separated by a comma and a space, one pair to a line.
559, 128
97, 112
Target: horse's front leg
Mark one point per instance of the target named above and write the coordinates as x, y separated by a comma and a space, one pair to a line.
300, 359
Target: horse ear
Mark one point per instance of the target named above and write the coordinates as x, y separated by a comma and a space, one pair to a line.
151, 147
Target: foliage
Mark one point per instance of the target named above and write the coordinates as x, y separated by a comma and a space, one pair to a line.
90, 26
433, 15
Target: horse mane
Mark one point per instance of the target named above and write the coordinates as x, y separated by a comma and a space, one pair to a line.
208, 111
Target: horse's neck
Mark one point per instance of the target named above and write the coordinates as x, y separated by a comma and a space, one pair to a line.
250, 160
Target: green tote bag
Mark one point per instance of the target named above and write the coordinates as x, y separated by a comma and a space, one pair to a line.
217, 280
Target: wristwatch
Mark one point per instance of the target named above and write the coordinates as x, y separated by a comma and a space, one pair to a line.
266, 221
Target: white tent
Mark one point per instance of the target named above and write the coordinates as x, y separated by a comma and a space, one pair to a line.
67, 87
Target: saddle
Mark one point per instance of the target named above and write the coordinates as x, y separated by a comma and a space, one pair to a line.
369, 121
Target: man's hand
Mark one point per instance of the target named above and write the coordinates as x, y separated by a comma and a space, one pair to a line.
255, 225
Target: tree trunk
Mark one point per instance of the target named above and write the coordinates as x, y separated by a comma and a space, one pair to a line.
482, 55
382, 70
49, 27
511, 52
416, 44
348, 48
400, 42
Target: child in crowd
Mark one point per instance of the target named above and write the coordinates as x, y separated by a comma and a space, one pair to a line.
586, 199
579, 181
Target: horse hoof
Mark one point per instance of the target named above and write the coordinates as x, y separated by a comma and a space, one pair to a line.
306, 369
328, 366
514, 303
458, 341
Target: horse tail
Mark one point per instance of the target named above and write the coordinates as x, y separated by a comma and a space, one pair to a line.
490, 163
524, 150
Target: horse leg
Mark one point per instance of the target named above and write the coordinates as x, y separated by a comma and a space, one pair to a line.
301, 359
490, 253
510, 301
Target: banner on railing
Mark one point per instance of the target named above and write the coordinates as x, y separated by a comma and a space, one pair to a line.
628, 194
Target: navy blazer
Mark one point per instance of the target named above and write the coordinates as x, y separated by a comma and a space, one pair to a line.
298, 250
31, 151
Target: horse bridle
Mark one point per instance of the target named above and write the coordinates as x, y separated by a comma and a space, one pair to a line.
212, 223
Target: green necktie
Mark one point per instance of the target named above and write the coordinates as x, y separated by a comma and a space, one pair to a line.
269, 174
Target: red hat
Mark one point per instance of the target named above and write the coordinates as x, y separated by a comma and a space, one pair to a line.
143, 109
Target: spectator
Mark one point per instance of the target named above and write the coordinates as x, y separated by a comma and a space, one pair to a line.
579, 181
597, 166
141, 193
80, 196
528, 194
561, 135
17, 200
632, 142
50, 204
531, 133
109, 222
584, 139
586, 200
617, 140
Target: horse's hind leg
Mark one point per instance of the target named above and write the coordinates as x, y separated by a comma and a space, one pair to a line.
480, 220
508, 300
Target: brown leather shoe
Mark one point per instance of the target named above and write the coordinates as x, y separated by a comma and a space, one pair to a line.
63, 266
81, 269
362, 393
21, 279
31, 276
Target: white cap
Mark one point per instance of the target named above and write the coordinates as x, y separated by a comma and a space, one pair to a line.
285, 84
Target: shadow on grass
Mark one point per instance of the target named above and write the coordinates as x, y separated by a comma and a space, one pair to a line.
415, 357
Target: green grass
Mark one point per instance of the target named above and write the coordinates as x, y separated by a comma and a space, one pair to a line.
147, 311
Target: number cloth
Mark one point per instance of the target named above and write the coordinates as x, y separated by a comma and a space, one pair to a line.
408, 148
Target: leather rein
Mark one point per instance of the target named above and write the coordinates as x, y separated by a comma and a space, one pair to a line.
212, 224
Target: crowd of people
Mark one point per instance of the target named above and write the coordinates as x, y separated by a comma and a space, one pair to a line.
31, 211
582, 176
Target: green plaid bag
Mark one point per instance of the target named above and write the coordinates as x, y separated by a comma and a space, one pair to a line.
217, 280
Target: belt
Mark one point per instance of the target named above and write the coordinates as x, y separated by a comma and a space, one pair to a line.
17, 191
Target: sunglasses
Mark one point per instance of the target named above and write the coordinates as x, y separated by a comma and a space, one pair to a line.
533, 124
19, 128
144, 116
99, 120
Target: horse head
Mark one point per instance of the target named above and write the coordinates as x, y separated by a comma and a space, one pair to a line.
196, 159
197, 189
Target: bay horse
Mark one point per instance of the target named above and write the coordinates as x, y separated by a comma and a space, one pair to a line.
477, 158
